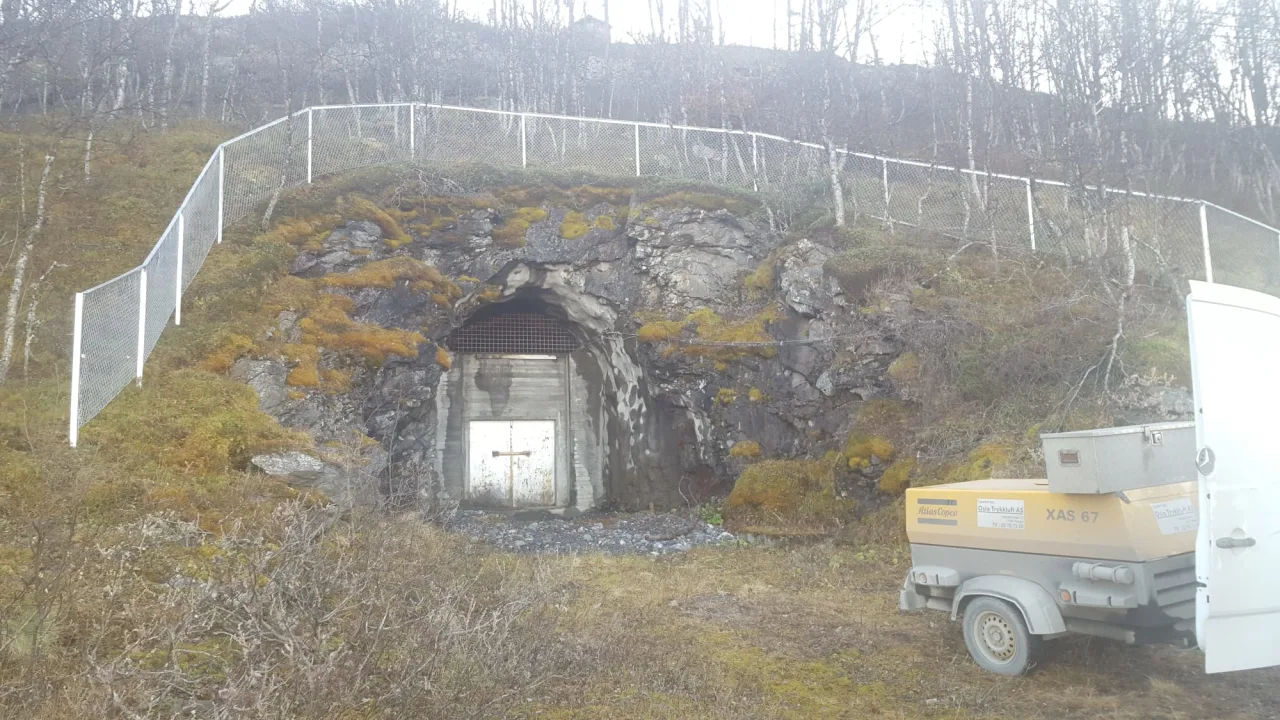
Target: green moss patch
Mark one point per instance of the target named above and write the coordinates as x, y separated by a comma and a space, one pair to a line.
788, 493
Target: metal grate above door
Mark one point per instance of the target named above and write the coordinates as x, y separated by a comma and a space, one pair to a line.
514, 333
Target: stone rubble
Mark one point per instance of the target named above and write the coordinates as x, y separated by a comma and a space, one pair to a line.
652, 534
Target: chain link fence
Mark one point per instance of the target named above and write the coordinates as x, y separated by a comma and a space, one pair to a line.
118, 323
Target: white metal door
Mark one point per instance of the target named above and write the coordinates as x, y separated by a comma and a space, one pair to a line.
1235, 364
512, 462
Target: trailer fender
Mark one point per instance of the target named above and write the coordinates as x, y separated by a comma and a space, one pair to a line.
1038, 607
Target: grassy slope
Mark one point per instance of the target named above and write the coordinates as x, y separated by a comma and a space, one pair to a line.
126, 566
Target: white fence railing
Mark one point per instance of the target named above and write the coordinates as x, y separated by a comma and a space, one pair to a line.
118, 323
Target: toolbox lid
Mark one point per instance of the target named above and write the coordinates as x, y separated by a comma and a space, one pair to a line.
1116, 459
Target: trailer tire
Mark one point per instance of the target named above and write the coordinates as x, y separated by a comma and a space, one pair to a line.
997, 637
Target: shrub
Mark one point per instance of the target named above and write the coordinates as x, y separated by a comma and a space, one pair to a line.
760, 280
707, 201
905, 368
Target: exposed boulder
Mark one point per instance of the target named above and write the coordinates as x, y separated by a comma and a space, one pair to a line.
268, 378
694, 258
345, 489
806, 287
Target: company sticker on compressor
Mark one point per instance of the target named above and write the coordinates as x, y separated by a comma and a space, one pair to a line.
1175, 516
1002, 514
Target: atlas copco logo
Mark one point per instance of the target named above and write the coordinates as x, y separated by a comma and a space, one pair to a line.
936, 511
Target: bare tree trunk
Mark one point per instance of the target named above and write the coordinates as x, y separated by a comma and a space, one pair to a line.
837, 190
32, 322
205, 61
1129, 272
167, 91
20, 270
88, 155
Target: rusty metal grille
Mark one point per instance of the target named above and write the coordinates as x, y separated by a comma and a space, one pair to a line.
514, 333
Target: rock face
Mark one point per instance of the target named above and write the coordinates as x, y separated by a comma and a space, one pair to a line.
787, 374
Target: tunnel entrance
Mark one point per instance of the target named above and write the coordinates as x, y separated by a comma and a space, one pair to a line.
518, 424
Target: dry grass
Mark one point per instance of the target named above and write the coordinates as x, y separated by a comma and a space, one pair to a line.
813, 632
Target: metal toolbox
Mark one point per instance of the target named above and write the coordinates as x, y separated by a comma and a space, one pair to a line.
1121, 458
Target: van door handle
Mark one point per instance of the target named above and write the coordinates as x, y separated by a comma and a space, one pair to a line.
1230, 542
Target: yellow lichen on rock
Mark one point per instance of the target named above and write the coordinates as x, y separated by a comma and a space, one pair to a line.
574, 225
981, 463
387, 273
860, 448
605, 222
325, 323
659, 331
728, 340
444, 359
361, 208
726, 396
897, 477
512, 232
745, 449
755, 395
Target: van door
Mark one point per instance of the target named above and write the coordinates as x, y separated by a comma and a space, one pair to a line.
1235, 368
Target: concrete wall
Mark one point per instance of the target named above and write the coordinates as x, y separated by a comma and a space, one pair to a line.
498, 387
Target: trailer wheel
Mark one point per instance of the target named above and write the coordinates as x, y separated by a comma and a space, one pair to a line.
997, 636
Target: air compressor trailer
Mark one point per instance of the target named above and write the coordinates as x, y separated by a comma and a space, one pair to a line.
1162, 533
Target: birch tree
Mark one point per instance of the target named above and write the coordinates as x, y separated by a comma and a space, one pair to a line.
20, 270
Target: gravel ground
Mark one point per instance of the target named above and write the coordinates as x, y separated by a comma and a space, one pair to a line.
641, 533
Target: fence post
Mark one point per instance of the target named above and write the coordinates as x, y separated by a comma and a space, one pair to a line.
1204, 241
524, 141
310, 112
222, 186
1031, 216
413, 145
637, 149
142, 324
177, 285
77, 340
